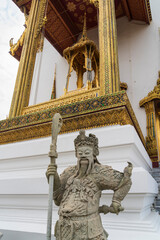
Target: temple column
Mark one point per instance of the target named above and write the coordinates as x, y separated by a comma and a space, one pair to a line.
108, 47
35, 23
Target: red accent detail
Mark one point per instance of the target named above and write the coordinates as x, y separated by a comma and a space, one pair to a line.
117, 2
155, 164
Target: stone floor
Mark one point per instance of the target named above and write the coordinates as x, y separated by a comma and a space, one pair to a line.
17, 235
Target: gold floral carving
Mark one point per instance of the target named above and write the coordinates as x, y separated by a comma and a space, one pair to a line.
82, 7
71, 97
151, 144
115, 116
80, 19
71, 6
91, 113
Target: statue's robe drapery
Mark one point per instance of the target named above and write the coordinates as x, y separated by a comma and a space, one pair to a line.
78, 199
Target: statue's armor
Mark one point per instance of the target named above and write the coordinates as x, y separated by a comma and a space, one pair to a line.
79, 202
81, 197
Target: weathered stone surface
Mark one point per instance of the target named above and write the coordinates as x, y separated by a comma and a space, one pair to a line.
77, 192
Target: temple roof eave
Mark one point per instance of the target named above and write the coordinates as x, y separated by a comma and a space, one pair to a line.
134, 9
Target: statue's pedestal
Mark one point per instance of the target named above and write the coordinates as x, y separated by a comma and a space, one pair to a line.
24, 189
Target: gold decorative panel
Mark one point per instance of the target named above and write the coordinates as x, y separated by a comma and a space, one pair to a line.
91, 113
152, 108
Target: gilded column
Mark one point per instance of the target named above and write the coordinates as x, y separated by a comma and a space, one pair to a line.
35, 23
152, 107
108, 47
151, 139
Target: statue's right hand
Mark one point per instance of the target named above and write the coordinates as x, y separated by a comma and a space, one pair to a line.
51, 170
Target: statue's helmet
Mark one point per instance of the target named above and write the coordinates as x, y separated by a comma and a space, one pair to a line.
83, 140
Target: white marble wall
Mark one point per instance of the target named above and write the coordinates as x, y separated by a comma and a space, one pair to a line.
24, 188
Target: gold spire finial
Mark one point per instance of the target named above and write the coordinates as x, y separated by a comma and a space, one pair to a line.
84, 27
53, 95
84, 33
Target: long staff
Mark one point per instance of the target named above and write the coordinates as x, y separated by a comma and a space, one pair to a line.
56, 127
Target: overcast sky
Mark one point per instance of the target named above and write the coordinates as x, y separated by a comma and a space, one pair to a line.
11, 25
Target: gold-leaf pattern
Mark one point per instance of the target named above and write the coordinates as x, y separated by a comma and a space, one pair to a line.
71, 6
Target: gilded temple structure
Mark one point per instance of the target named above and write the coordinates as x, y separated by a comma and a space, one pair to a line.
96, 62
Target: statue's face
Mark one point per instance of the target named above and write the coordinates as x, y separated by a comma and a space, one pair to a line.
85, 154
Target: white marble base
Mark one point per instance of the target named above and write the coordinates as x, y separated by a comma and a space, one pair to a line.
24, 189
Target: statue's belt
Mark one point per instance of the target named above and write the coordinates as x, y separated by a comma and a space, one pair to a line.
77, 218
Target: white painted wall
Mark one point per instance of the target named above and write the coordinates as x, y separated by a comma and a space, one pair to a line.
24, 188
139, 60
43, 76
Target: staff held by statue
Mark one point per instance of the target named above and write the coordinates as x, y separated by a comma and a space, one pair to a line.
56, 127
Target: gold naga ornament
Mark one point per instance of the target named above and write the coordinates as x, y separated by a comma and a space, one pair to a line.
15, 46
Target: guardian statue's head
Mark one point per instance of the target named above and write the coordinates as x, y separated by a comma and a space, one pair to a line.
86, 150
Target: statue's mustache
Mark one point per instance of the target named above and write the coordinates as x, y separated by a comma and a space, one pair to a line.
84, 158
89, 164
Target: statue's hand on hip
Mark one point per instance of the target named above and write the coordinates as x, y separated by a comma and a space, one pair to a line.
117, 207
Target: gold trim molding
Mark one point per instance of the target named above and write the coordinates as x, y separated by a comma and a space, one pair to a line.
35, 23
117, 116
69, 98
112, 109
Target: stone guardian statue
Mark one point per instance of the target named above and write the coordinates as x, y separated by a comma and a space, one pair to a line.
78, 189
1, 235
